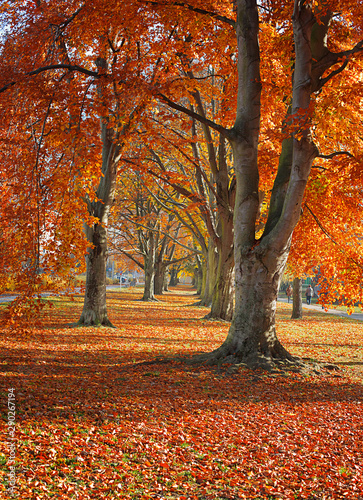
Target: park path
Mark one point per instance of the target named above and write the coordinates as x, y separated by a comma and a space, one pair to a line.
333, 312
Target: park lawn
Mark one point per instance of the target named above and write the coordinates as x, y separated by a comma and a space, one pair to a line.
98, 418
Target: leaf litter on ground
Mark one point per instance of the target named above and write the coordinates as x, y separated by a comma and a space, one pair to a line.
101, 414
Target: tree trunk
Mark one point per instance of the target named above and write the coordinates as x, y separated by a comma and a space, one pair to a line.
252, 337
297, 299
173, 276
159, 278
94, 308
260, 263
199, 273
223, 296
149, 269
198, 276
210, 275
165, 284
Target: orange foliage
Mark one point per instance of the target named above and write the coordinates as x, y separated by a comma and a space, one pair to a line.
50, 136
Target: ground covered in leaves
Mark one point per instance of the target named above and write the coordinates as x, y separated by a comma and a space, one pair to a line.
97, 418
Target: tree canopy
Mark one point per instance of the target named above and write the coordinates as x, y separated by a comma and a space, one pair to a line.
260, 97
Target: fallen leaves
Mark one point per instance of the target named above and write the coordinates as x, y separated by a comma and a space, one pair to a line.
98, 417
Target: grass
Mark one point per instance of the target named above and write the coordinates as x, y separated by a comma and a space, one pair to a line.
97, 416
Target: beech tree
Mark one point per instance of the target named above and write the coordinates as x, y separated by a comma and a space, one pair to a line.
287, 97
72, 62
260, 261
144, 232
211, 188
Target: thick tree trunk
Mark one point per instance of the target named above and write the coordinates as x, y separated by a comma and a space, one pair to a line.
260, 263
94, 311
223, 293
297, 299
252, 337
149, 285
173, 277
198, 276
159, 278
210, 276
199, 279
94, 307
205, 280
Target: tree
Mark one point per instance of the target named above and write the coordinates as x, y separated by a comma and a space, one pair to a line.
86, 96
298, 83
297, 299
145, 233
195, 164
260, 262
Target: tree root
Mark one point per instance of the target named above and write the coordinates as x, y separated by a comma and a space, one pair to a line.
87, 324
257, 361
232, 364
209, 317
198, 304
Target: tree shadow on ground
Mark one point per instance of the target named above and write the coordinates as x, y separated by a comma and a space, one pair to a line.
63, 381
59, 372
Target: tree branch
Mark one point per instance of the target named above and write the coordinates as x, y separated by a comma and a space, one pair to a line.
214, 15
332, 58
336, 153
219, 128
326, 232
69, 67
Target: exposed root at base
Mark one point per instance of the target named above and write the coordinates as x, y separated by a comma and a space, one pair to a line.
209, 317
231, 365
198, 304
82, 324
264, 363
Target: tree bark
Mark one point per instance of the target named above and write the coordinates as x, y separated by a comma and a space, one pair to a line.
297, 299
198, 275
149, 269
260, 263
94, 308
223, 292
159, 279
209, 275
252, 337
166, 281
173, 276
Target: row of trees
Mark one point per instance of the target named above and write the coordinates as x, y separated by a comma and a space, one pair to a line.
211, 130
